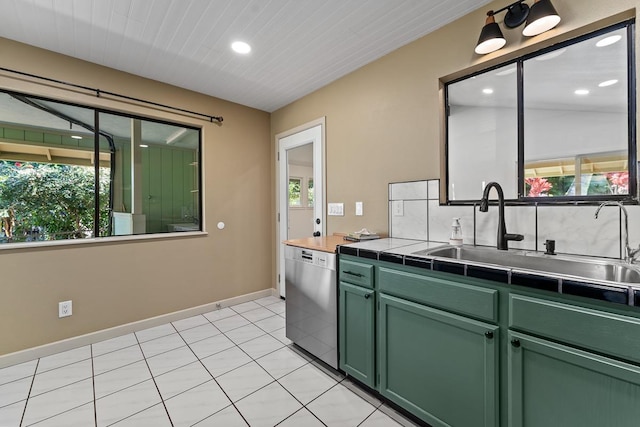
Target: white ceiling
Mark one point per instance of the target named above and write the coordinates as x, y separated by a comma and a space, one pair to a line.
298, 45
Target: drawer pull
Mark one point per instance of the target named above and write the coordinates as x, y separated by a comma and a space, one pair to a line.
515, 343
351, 273
366, 296
489, 334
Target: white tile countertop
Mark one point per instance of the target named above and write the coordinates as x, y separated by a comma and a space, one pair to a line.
386, 245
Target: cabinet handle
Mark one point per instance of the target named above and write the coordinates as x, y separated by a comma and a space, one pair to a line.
351, 273
366, 296
489, 334
515, 343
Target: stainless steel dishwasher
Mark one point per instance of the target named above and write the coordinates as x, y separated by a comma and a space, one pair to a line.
312, 302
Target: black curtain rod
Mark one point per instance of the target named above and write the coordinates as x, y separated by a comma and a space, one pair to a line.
99, 92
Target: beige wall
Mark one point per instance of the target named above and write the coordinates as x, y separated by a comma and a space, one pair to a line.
117, 283
388, 112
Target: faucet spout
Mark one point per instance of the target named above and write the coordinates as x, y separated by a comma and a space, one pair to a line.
630, 254
503, 237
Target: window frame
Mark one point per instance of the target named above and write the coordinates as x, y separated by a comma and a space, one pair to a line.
97, 138
522, 199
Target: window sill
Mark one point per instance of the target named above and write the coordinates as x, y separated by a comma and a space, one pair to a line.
102, 240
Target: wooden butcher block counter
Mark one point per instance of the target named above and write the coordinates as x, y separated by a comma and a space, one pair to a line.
324, 243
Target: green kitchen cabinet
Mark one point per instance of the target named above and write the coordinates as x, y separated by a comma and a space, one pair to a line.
440, 366
551, 384
357, 332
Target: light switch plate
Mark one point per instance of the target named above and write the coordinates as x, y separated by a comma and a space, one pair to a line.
359, 209
335, 209
398, 208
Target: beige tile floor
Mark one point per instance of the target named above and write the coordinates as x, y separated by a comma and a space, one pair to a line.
230, 367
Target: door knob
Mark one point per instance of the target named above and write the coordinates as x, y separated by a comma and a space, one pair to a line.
318, 221
316, 234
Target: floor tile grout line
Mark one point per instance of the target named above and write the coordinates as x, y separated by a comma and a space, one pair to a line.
275, 380
57, 415
238, 367
93, 388
62, 366
15, 381
117, 349
206, 338
154, 382
60, 387
217, 383
303, 408
123, 366
26, 402
368, 416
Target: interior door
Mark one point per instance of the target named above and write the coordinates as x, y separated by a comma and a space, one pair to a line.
300, 193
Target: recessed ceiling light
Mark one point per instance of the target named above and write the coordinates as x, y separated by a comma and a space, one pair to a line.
608, 41
582, 92
143, 146
76, 137
608, 83
241, 47
487, 91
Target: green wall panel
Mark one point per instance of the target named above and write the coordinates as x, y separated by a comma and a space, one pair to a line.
16, 134
31, 136
52, 139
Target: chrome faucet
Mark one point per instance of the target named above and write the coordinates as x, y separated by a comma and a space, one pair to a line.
503, 236
630, 254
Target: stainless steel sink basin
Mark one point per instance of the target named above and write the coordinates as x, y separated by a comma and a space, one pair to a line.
590, 269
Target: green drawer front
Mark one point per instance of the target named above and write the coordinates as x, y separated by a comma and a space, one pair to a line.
452, 296
612, 334
356, 273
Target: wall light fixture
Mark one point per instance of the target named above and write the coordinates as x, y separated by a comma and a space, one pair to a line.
540, 17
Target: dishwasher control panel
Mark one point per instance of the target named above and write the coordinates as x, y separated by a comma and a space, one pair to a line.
309, 256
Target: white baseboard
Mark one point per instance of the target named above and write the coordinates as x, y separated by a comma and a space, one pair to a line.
22, 356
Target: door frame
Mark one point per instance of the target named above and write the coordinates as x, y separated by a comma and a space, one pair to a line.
319, 152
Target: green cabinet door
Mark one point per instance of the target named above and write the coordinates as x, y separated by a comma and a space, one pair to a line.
440, 366
552, 384
357, 332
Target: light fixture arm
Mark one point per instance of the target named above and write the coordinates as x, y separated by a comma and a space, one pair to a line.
509, 6
517, 13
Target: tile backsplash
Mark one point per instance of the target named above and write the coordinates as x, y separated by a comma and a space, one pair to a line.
415, 213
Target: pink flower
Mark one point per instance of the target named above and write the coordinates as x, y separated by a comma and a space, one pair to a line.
619, 181
538, 186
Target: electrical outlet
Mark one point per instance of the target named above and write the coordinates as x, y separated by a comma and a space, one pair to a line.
359, 209
398, 208
64, 309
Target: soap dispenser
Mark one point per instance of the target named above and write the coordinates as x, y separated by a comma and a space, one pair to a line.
456, 233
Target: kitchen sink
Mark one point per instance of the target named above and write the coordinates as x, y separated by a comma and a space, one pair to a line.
585, 268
